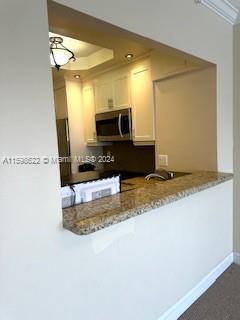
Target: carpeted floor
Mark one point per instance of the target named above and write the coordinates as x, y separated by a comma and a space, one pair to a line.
221, 301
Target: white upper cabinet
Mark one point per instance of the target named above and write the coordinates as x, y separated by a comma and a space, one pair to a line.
89, 115
128, 87
104, 96
142, 106
131, 87
112, 92
121, 92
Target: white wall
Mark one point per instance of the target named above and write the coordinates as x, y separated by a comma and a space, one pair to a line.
60, 102
47, 272
236, 138
30, 210
161, 256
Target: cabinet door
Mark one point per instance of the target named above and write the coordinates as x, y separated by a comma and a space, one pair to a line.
89, 115
143, 108
104, 97
121, 92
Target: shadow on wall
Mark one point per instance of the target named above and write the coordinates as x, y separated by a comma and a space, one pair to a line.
186, 121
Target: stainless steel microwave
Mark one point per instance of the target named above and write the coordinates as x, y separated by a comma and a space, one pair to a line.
114, 125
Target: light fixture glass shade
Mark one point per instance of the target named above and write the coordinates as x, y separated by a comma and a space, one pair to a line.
59, 55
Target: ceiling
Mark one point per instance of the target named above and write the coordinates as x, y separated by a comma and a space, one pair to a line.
87, 55
65, 22
80, 48
93, 34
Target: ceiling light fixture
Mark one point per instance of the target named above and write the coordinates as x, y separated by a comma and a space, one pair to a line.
59, 54
223, 8
77, 76
129, 56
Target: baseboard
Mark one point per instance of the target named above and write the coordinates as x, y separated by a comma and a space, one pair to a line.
183, 304
236, 257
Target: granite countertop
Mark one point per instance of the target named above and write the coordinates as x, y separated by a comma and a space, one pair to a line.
92, 216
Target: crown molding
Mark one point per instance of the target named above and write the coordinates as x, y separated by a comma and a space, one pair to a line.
223, 8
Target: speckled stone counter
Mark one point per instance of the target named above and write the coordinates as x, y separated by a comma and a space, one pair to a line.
147, 195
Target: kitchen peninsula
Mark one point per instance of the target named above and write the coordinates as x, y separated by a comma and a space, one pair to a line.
147, 195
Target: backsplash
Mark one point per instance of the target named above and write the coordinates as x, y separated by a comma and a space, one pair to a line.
130, 158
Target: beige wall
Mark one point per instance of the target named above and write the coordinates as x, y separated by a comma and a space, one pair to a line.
186, 127
68, 104
60, 102
77, 124
165, 65
75, 119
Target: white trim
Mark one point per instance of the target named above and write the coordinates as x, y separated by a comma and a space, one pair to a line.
183, 304
236, 257
223, 8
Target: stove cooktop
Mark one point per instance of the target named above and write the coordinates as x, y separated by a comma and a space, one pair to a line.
123, 174
95, 175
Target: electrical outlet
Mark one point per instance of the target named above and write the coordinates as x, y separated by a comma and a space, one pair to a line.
163, 160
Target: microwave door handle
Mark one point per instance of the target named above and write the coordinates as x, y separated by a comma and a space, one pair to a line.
67, 137
67, 130
120, 124
130, 123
